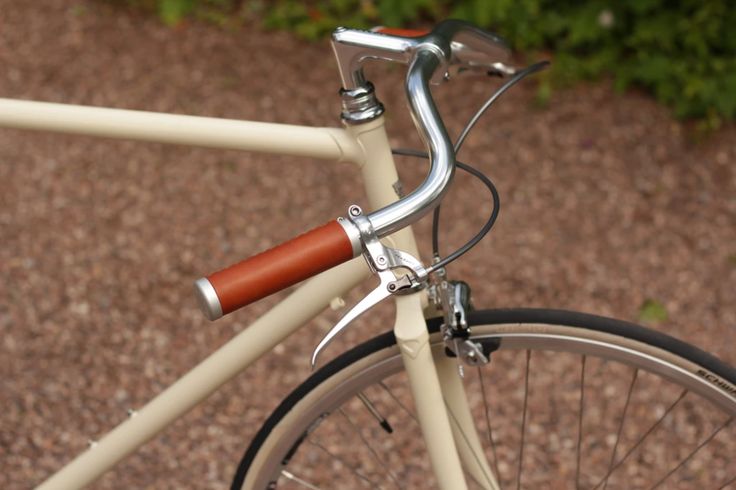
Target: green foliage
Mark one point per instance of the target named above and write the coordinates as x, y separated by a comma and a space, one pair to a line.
172, 12
652, 311
681, 51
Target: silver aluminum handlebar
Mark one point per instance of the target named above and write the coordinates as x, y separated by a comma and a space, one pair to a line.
452, 43
461, 45
423, 199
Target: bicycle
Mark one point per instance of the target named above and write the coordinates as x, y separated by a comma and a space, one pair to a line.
362, 378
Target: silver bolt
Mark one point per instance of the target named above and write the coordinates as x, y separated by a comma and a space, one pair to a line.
381, 259
355, 210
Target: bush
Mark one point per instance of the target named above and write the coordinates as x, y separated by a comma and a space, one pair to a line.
681, 51
172, 12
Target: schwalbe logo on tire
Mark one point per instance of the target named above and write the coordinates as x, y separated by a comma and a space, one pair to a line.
715, 380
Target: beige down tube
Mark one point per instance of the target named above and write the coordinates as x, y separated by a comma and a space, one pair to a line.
367, 146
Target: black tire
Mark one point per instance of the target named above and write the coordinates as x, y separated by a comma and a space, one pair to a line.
718, 379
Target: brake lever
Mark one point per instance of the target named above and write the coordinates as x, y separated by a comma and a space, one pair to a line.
383, 261
501, 70
389, 285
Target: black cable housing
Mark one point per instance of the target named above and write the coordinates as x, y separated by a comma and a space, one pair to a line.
442, 262
518, 76
486, 227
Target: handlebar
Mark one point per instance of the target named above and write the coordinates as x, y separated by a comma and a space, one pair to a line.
424, 198
451, 44
458, 43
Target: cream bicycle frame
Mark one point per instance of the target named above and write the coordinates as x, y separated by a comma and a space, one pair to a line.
435, 383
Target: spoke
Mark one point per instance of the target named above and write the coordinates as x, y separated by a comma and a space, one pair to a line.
732, 480
477, 457
580, 421
642, 438
523, 418
355, 472
398, 402
620, 427
488, 423
294, 478
382, 463
692, 453
376, 414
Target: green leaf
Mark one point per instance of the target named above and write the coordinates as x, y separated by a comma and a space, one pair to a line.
652, 311
543, 94
173, 11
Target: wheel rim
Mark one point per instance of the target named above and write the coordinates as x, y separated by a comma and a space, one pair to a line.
537, 341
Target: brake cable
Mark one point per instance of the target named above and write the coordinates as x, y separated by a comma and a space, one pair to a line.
439, 263
486, 227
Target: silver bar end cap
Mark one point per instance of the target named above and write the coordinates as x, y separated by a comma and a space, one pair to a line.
207, 298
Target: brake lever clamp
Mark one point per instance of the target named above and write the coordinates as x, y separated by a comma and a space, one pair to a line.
383, 261
379, 256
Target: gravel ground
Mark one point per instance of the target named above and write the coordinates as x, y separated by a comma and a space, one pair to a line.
606, 203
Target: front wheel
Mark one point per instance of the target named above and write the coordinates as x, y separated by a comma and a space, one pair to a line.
568, 400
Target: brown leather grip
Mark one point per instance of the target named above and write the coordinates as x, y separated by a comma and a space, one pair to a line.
395, 31
282, 266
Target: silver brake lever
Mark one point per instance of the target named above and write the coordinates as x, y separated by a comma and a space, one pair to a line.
382, 260
389, 285
499, 69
